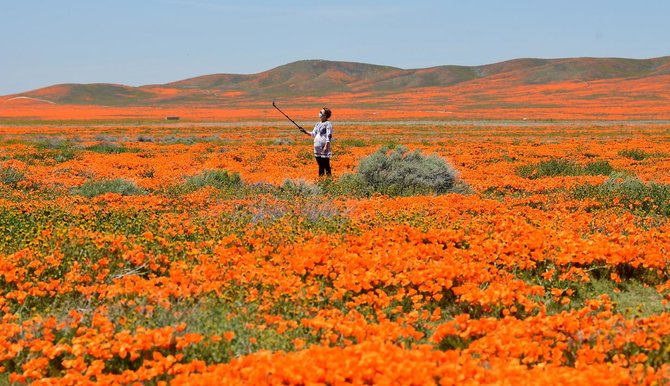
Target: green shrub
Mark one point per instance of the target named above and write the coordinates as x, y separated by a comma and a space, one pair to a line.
635, 154
639, 154
220, 179
216, 178
563, 167
552, 167
106, 147
628, 192
401, 172
230, 184
120, 186
598, 168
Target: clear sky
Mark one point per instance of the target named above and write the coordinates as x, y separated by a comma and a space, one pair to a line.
137, 42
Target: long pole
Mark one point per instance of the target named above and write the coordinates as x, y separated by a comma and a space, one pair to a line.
289, 118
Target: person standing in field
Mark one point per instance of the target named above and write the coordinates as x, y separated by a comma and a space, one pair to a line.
323, 134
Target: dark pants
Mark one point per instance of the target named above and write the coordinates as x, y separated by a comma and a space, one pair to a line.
324, 166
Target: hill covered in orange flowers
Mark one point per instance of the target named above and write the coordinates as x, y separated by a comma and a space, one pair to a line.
572, 88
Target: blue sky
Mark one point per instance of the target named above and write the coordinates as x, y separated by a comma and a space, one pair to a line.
137, 42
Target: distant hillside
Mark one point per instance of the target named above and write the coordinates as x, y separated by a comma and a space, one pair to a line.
96, 94
318, 78
313, 77
572, 88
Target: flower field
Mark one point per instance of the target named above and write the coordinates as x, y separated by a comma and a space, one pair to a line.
205, 254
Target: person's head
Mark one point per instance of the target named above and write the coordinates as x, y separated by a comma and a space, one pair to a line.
325, 114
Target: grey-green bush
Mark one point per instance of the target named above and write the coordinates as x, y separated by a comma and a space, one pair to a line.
401, 172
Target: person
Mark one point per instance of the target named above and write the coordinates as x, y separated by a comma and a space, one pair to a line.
323, 135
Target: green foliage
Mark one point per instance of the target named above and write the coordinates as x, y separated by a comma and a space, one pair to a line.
173, 140
635, 154
229, 182
403, 173
628, 192
106, 147
598, 168
553, 167
11, 176
306, 155
216, 317
283, 141
179, 140
395, 171
461, 187
299, 188
639, 154
347, 185
120, 186
60, 150
216, 178
351, 142
563, 167
632, 297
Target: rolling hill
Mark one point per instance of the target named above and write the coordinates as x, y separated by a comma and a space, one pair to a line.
536, 87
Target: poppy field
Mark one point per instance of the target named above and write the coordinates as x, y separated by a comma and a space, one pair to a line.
198, 253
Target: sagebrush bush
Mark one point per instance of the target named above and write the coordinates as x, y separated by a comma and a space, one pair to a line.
401, 172
563, 167
119, 186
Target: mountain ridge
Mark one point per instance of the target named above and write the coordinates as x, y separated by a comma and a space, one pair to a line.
317, 78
